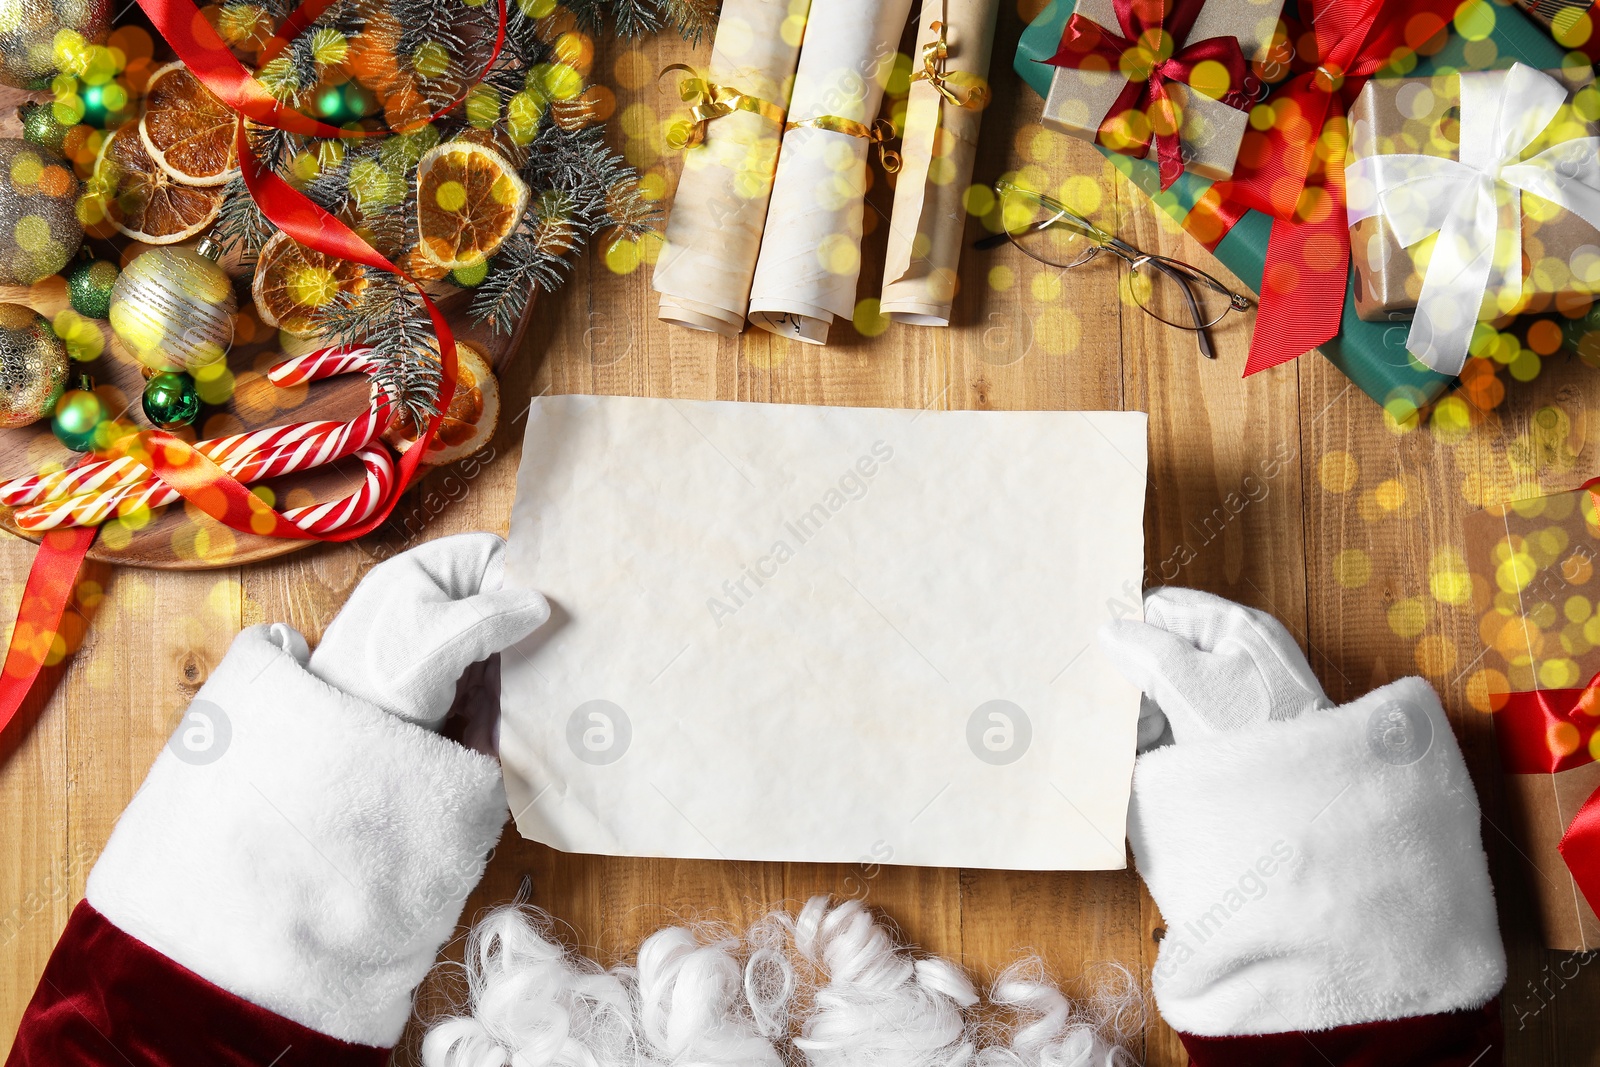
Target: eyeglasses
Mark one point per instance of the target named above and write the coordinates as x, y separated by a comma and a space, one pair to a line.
1167, 289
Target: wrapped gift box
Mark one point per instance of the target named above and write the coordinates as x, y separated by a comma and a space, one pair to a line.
1371, 355
1535, 572
1080, 101
1561, 252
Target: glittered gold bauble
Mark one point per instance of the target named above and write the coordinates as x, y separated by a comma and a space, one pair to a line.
174, 309
33, 366
36, 35
39, 227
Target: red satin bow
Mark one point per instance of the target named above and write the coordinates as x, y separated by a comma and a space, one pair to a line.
60, 557
1295, 172
1547, 731
1154, 50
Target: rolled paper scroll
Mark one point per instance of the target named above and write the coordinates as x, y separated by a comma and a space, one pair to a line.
714, 231
811, 254
948, 93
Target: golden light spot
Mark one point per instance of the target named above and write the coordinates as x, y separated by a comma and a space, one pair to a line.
1559, 673
1390, 494
1515, 573
1338, 471
1046, 287
869, 318
1352, 568
1436, 655
1487, 690
1001, 278
1409, 616
1448, 577
1577, 609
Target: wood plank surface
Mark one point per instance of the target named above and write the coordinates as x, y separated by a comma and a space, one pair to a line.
1289, 491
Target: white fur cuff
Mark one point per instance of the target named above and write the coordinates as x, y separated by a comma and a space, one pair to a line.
1318, 872
299, 847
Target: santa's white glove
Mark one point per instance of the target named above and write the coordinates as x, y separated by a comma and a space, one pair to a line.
1209, 664
417, 621
1319, 870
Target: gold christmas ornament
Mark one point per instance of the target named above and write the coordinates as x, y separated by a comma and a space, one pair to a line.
33, 366
39, 227
36, 36
174, 309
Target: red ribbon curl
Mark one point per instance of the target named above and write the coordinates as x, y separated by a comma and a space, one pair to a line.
1153, 51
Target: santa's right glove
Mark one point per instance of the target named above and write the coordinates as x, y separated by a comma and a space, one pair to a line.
1319, 870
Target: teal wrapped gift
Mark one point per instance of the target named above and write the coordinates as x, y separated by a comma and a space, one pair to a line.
1372, 355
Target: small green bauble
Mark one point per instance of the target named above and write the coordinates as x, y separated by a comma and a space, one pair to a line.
89, 287
171, 400
33, 366
79, 419
39, 227
41, 127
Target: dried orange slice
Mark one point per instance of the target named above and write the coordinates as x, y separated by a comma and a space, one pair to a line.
469, 199
469, 422
188, 132
141, 200
293, 285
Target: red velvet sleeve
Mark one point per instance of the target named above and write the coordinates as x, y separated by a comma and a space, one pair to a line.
108, 999
1451, 1039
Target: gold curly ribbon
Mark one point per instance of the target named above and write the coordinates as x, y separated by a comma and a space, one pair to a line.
879, 133
709, 101
959, 87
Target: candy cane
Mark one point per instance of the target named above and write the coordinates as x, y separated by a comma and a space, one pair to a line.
298, 446
337, 514
248, 457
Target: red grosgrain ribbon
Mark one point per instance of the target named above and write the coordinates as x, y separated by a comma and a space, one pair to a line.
1153, 50
197, 478
1294, 171
1547, 731
51, 581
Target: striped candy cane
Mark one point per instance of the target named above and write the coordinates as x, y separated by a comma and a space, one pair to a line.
89, 494
314, 438
337, 514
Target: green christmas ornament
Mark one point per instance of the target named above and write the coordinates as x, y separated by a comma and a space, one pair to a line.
81, 420
38, 36
33, 366
39, 227
171, 400
174, 309
41, 127
89, 287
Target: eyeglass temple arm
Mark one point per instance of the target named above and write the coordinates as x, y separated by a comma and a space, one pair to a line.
1202, 336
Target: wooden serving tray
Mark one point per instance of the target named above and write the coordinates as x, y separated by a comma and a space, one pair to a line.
180, 536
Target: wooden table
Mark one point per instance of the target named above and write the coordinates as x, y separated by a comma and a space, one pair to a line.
1342, 530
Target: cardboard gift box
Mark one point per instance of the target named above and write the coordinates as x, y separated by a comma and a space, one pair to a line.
1535, 574
1084, 96
1422, 116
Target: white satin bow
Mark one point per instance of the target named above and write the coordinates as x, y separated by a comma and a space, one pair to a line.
1502, 113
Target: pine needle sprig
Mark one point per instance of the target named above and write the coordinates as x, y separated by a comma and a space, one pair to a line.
241, 227
388, 314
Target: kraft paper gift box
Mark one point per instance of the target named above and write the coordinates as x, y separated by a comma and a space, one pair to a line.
1534, 573
1081, 101
1560, 251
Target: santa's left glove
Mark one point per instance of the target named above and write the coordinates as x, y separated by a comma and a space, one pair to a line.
1319, 870
301, 848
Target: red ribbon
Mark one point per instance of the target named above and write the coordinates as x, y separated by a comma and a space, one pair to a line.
1295, 173
1153, 50
1547, 731
200, 481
